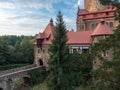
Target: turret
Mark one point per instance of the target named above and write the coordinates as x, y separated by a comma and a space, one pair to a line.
101, 31
51, 21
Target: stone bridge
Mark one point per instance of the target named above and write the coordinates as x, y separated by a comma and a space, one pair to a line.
8, 78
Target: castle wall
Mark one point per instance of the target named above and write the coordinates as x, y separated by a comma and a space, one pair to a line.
43, 54
92, 24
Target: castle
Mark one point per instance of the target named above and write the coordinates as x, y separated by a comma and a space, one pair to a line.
93, 23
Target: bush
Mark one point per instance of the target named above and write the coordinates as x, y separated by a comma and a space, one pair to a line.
37, 76
80, 67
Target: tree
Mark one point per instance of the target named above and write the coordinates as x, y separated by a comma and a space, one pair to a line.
108, 72
5, 54
59, 57
80, 66
24, 50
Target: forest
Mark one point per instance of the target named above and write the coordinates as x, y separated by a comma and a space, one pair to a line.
16, 49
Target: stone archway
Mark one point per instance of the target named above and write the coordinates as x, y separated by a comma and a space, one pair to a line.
40, 62
1, 88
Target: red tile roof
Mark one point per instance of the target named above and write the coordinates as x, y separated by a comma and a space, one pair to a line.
47, 34
79, 37
82, 11
102, 29
86, 15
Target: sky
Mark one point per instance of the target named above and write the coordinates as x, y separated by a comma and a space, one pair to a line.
29, 17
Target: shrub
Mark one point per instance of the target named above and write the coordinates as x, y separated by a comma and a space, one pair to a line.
37, 76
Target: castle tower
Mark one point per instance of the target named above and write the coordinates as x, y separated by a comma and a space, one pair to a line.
101, 31
93, 5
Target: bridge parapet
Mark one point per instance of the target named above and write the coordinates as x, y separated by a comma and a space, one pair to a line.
16, 69
7, 80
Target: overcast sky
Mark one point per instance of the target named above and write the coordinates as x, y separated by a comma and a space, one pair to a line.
29, 17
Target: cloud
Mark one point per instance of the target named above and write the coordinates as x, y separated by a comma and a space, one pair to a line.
29, 17
79, 3
36, 4
25, 17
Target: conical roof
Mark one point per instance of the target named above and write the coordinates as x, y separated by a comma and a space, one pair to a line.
102, 29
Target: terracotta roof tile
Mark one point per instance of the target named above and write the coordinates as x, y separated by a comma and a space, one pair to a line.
48, 32
102, 29
79, 37
86, 15
83, 11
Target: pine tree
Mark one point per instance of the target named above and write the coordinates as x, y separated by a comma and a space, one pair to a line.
59, 57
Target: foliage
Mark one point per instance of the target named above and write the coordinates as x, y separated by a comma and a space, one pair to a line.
24, 51
41, 86
16, 49
19, 82
6, 67
37, 76
5, 53
80, 67
59, 57
108, 75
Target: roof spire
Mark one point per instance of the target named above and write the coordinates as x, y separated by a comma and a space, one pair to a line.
78, 8
51, 21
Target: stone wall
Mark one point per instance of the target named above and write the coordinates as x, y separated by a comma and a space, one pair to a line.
41, 53
9, 78
93, 5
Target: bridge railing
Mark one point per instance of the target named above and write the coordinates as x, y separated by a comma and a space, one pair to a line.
16, 69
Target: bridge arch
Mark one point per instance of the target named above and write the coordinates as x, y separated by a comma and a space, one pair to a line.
40, 61
27, 81
1, 88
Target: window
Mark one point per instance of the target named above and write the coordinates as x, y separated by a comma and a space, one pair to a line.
96, 24
107, 13
70, 50
107, 23
111, 24
84, 16
95, 15
39, 50
43, 51
105, 54
81, 27
85, 51
93, 26
38, 46
74, 50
